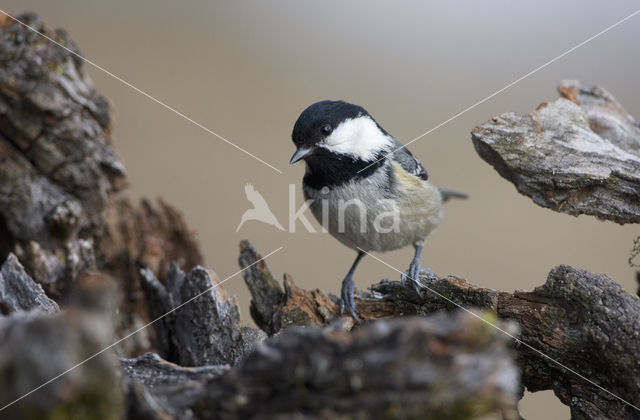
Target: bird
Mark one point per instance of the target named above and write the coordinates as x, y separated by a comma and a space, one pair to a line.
358, 176
260, 210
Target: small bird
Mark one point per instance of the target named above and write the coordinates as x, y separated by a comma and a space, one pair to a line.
357, 177
260, 210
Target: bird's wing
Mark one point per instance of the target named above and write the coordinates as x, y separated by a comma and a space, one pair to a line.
412, 165
409, 163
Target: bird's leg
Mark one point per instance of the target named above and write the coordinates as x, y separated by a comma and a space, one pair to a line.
348, 287
412, 275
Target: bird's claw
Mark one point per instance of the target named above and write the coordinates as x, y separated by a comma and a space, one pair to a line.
347, 300
411, 277
428, 272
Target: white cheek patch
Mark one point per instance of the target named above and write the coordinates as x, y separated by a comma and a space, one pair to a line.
358, 137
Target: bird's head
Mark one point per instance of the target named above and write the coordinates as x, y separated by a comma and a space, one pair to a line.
339, 129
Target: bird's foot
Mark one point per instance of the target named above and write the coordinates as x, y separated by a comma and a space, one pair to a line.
428, 272
411, 277
346, 301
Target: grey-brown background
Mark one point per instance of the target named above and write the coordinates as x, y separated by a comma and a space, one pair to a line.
247, 69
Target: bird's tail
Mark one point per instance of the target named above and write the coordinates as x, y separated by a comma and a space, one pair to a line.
447, 194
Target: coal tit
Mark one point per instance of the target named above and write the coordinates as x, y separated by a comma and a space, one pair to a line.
364, 187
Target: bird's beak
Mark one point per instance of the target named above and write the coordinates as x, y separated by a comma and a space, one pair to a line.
301, 153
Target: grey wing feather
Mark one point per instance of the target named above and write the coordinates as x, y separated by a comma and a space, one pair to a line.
409, 163
412, 165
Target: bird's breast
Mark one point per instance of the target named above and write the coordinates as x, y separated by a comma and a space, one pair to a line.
380, 212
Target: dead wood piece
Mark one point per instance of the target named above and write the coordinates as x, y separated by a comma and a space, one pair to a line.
37, 347
585, 321
589, 324
272, 308
153, 371
59, 176
606, 116
582, 320
58, 171
205, 331
18, 292
150, 235
443, 366
302, 307
159, 389
579, 155
266, 291
57, 168
57, 269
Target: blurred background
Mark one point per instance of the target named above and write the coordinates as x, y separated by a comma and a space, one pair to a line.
247, 69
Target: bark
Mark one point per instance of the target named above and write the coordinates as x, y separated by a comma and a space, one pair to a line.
443, 366
39, 343
151, 235
446, 365
59, 178
584, 321
57, 168
158, 389
262, 285
18, 292
578, 155
146, 236
207, 330
416, 368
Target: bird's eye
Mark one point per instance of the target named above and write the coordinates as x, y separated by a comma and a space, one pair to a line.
326, 129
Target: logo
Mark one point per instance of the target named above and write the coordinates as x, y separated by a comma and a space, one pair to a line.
260, 211
338, 215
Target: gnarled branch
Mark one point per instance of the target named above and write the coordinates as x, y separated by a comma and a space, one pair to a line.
584, 321
579, 155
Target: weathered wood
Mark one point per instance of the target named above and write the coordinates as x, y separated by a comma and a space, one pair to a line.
59, 179
262, 285
606, 116
146, 235
411, 368
38, 346
57, 168
272, 308
207, 330
582, 320
443, 366
18, 292
159, 389
149, 234
579, 155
